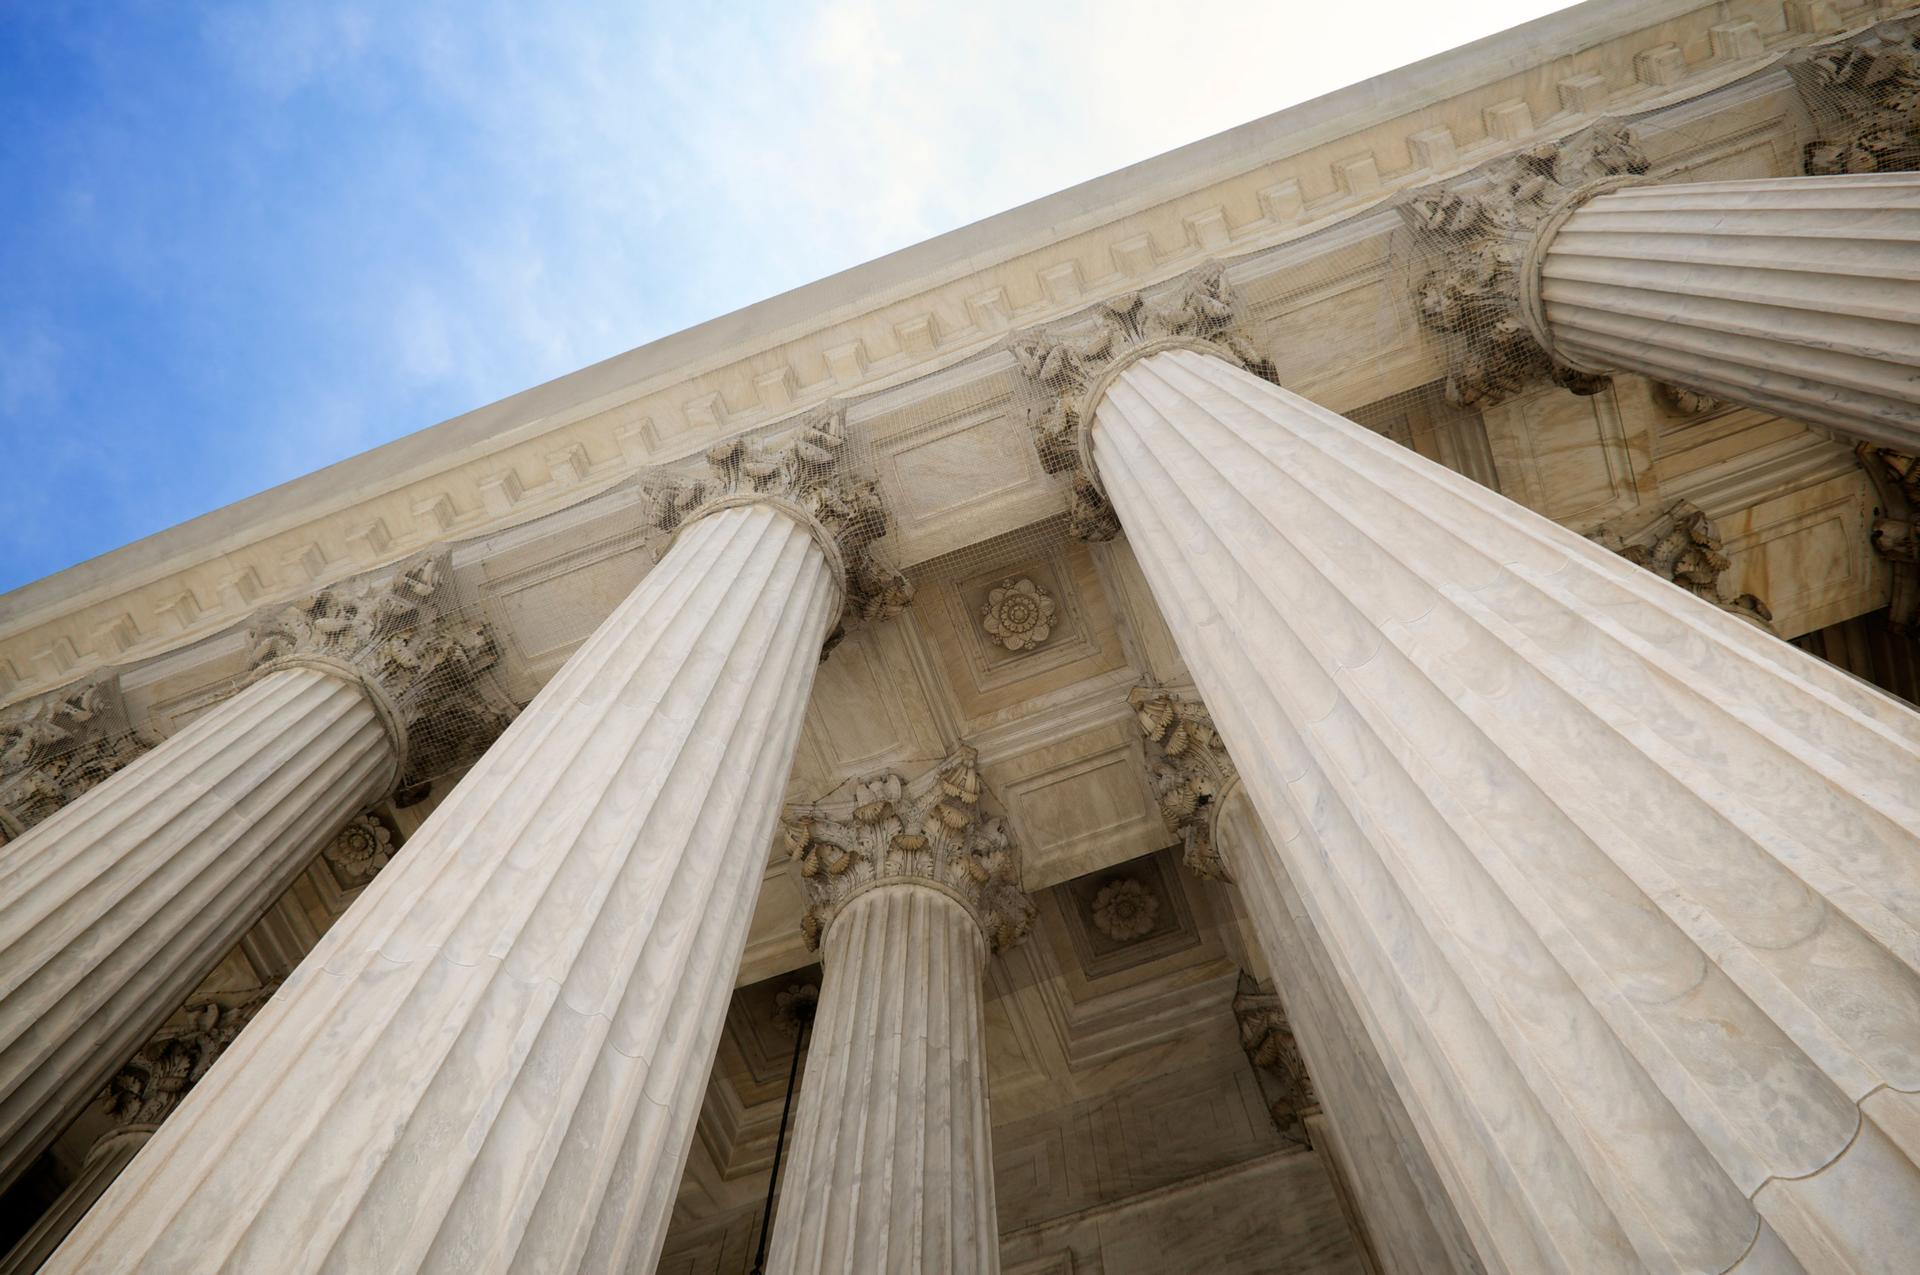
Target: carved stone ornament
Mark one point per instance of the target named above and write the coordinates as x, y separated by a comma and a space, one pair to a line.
1124, 910
804, 463
1018, 614
794, 1007
1063, 362
1482, 226
408, 637
153, 1083
358, 852
1267, 1038
1188, 769
1896, 528
932, 829
1863, 93
56, 747
1681, 401
1679, 543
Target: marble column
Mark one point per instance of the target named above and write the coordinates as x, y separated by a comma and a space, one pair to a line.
891, 1169
1625, 890
1412, 1227
119, 903
1796, 295
494, 1060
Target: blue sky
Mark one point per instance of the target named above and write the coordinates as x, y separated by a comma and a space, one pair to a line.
241, 241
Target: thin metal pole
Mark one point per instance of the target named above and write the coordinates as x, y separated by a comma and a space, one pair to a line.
780, 1146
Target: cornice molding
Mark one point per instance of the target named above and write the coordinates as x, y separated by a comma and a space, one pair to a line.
1265, 183
929, 832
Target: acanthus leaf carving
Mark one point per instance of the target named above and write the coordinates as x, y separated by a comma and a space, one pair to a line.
1896, 528
932, 829
156, 1079
1267, 1038
1482, 227
59, 746
1679, 543
1062, 362
1863, 93
1189, 771
431, 660
803, 462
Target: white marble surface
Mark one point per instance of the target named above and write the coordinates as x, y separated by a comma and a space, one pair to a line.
1410, 1222
115, 907
494, 1061
1624, 890
892, 1161
1796, 295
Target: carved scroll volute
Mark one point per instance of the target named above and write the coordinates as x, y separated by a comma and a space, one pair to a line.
429, 661
1481, 227
1062, 363
803, 464
1189, 771
61, 745
932, 830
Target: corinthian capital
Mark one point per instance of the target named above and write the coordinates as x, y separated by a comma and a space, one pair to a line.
1863, 92
1484, 227
802, 464
158, 1078
427, 660
1680, 544
1189, 771
56, 747
1066, 365
930, 830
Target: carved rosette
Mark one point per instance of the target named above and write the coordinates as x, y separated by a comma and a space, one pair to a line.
1125, 910
1189, 771
155, 1080
1061, 365
1482, 226
429, 661
358, 851
1863, 93
1018, 614
59, 746
803, 463
931, 829
1267, 1038
1680, 544
1896, 527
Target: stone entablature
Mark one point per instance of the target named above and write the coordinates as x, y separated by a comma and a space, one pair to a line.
1314, 165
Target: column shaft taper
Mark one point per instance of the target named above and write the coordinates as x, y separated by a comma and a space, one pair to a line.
1626, 891
1796, 295
119, 904
494, 1061
892, 1166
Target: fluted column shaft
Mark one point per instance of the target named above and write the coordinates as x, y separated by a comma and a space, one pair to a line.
494, 1061
892, 1167
1624, 890
1796, 295
113, 909
1412, 1225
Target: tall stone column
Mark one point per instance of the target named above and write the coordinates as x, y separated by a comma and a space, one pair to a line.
120, 902
1411, 1225
1625, 890
892, 1166
494, 1060
1795, 295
